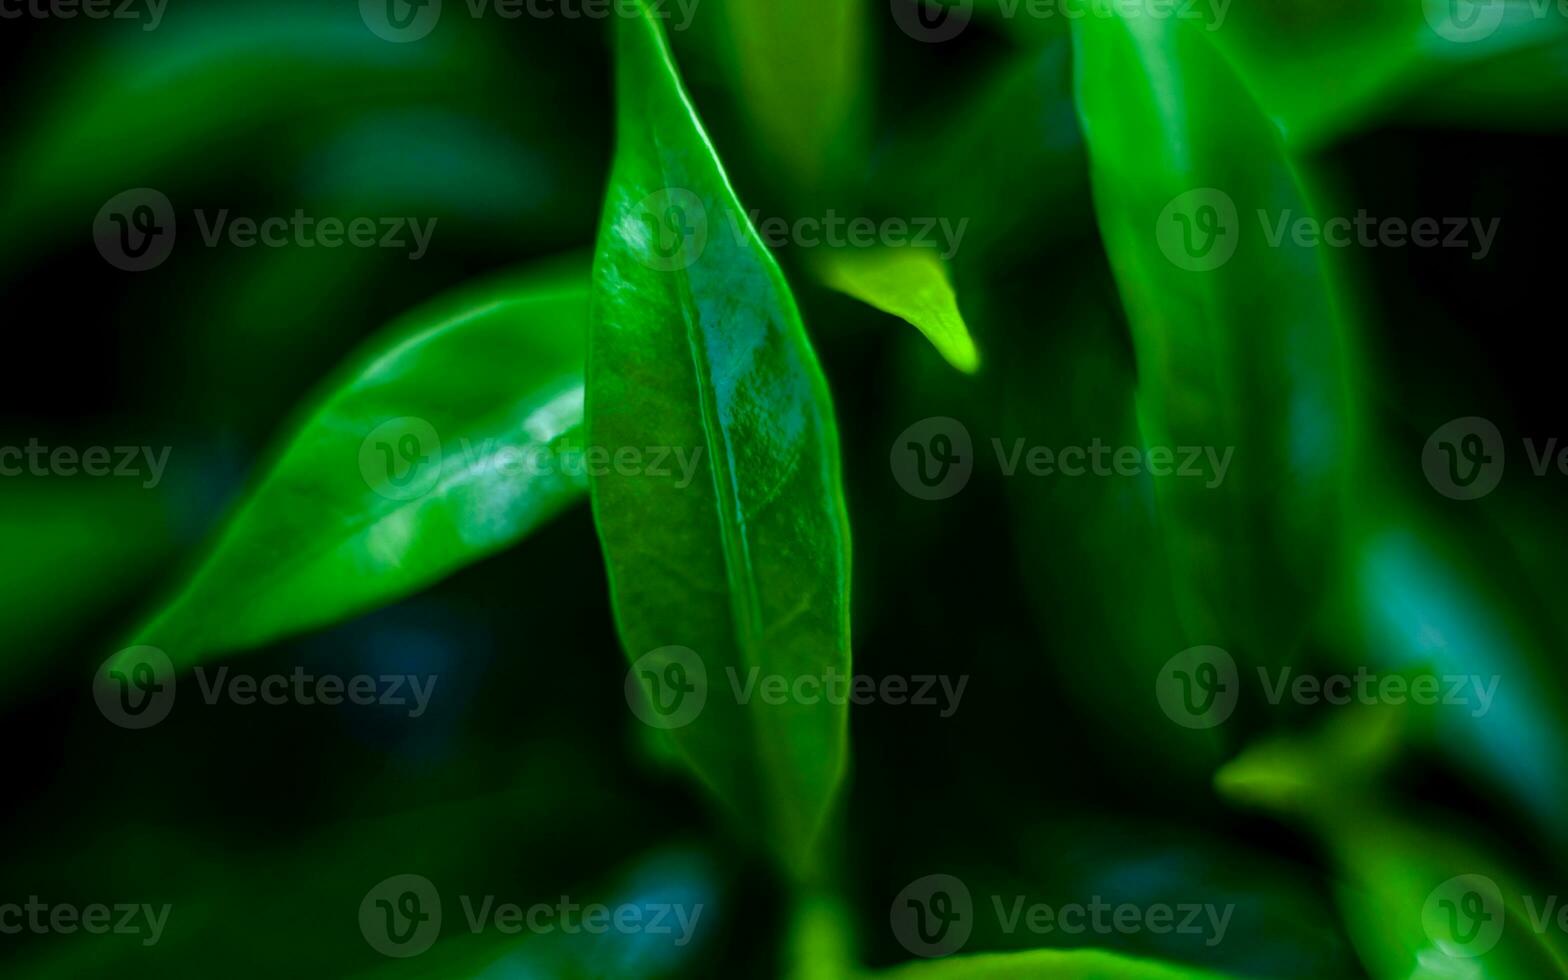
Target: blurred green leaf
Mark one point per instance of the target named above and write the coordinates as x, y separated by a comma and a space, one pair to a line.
1325, 70
447, 443
697, 349
72, 547
1017, 127
1084, 964
211, 81
910, 283
1074, 385
1418, 903
1239, 351
799, 70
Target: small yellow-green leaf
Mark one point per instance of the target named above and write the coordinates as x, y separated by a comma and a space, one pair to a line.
909, 283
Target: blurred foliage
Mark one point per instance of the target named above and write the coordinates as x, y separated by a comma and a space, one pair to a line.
264, 532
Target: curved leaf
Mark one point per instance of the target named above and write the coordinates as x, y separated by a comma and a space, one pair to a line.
697, 349
1239, 349
447, 444
909, 283
1047, 964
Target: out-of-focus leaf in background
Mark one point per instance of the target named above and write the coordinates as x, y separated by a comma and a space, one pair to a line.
215, 80
447, 442
1239, 346
1085, 964
909, 283
697, 347
801, 71
1006, 156
72, 550
1417, 901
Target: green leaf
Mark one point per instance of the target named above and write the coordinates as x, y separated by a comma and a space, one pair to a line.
447, 443
1047, 964
1395, 876
1238, 342
1017, 126
246, 79
697, 349
910, 283
799, 72
1321, 74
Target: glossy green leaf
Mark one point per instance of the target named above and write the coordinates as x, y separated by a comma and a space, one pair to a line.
799, 71
910, 283
697, 350
1078, 964
450, 441
1239, 348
